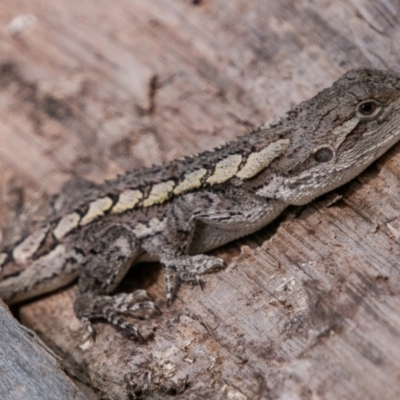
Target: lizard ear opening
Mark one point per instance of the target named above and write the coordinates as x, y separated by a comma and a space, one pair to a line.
324, 154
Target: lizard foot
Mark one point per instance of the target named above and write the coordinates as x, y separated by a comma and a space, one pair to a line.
188, 269
114, 309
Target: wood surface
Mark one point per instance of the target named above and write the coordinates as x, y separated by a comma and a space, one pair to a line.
28, 368
308, 308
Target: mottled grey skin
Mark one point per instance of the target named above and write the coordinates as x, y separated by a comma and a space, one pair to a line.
177, 212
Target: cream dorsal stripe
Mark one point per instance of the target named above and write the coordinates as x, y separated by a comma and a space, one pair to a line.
29, 246
127, 200
225, 169
66, 225
192, 180
160, 192
256, 162
96, 209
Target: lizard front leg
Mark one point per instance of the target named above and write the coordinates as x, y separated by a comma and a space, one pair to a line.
199, 222
112, 251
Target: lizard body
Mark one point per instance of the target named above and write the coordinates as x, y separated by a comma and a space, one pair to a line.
177, 212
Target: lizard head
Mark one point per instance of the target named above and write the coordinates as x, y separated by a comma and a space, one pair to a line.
337, 134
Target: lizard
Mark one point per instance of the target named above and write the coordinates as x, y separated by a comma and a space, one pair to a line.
177, 212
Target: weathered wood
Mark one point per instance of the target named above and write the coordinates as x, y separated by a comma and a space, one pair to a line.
28, 369
307, 308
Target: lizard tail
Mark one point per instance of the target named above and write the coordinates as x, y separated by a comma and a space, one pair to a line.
53, 271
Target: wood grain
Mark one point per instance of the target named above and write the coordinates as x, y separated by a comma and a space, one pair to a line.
308, 308
29, 370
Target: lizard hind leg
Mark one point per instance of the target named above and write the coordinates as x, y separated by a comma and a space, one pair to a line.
112, 251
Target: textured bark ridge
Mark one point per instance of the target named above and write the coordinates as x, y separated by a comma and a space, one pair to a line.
307, 308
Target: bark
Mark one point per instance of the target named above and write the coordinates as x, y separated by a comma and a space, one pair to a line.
308, 307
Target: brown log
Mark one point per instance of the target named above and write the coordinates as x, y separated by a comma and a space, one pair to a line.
308, 307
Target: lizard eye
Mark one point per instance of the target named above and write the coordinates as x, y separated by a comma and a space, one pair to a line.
324, 154
368, 109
